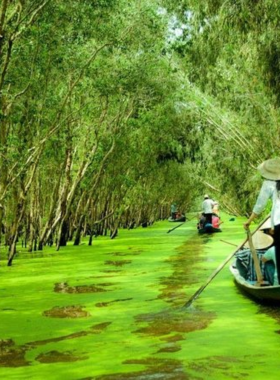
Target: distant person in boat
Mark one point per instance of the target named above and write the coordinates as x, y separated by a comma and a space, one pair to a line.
270, 264
270, 171
174, 211
215, 215
215, 208
201, 221
215, 221
207, 208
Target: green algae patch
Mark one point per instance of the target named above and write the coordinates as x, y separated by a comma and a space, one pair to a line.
133, 324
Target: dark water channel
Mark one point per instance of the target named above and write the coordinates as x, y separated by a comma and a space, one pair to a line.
115, 311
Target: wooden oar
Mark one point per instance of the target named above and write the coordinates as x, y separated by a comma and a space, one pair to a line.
172, 229
228, 242
255, 258
214, 274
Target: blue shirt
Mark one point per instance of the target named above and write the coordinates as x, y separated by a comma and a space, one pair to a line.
270, 255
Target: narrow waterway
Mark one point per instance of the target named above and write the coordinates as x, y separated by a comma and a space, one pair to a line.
115, 311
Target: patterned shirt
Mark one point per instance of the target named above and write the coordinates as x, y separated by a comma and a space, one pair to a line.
269, 191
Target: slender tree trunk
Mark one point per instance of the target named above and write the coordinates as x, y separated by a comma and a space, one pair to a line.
79, 230
47, 228
15, 234
90, 238
21, 208
63, 237
31, 225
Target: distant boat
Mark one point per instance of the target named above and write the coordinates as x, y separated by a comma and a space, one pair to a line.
208, 229
181, 218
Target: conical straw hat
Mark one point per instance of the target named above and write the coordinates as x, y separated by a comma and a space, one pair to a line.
266, 225
260, 240
270, 169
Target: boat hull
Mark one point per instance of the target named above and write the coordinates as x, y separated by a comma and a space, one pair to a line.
265, 294
181, 219
209, 229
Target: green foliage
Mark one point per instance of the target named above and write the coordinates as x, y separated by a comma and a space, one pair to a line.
109, 105
230, 52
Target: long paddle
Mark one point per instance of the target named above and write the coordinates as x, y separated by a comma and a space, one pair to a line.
214, 274
172, 229
187, 220
255, 258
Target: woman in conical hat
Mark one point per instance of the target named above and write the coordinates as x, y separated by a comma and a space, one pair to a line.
260, 240
270, 171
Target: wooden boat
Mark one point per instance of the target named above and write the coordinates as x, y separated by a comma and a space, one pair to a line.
179, 219
268, 294
208, 229
265, 293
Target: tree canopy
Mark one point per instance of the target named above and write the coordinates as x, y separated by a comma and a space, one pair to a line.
110, 111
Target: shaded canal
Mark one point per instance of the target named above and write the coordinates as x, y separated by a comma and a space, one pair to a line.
115, 311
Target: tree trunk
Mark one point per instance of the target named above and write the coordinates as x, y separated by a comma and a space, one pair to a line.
63, 237
79, 230
90, 238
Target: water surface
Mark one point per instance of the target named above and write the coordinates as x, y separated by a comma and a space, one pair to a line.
115, 311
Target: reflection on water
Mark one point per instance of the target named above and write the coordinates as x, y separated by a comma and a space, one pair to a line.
156, 368
63, 287
188, 255
105, 304
118, 263
264, 307
271, 311
134, 253
173, 321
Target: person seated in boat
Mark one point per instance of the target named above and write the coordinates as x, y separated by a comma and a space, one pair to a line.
215, 221
215, 208
270, 191
201, 221
174, 211
244, 261
207, 209
269, 259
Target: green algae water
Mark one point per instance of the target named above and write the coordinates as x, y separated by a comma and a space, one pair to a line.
115, 311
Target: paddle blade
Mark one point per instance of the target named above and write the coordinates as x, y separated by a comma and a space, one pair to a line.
194, 297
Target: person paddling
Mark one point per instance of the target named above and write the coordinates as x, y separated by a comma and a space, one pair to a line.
270, 171
207, 206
